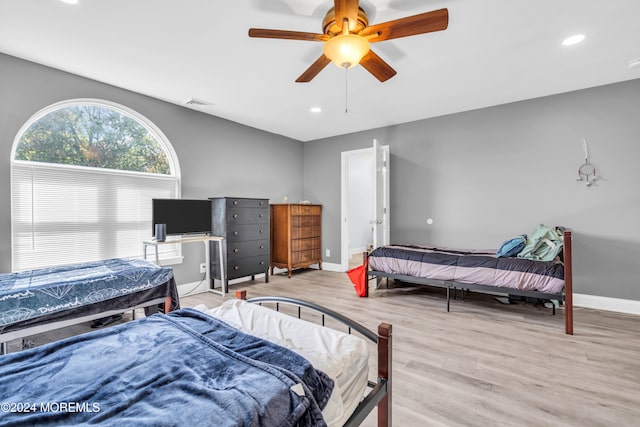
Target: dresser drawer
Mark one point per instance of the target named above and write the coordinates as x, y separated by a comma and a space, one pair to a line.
241, 233
240, 267
311, 255
306, 210
247, 216
304, 232
247, 249
247, 203
305, 244
305, 220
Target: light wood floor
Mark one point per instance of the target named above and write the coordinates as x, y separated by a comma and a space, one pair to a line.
483, 363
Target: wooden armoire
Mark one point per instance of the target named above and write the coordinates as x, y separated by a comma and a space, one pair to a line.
296, 230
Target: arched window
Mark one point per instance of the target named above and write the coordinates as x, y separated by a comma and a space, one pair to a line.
83, 173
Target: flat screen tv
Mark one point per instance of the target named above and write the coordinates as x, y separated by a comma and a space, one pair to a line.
182, 216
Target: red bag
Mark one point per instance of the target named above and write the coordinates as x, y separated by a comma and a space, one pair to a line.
358, 277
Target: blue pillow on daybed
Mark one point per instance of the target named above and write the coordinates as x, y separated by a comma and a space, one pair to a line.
512, 247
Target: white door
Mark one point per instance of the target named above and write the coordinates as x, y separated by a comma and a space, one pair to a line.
380, 221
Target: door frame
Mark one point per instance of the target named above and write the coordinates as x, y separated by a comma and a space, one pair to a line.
344, 200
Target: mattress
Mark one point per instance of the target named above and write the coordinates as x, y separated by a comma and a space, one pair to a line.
342, 356
479, 267
127, 375
48, 291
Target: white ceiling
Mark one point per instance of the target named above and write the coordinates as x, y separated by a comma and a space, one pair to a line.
494, 52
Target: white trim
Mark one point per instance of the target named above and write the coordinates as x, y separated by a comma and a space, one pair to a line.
173, 179
192, 288
124, 110
354, 251
344, 201
606, 303
330, 266
344, 205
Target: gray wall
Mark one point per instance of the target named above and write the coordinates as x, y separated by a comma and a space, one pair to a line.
482, 175
217, 157
488, 174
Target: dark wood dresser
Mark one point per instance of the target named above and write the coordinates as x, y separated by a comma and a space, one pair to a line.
244, 224
296, 231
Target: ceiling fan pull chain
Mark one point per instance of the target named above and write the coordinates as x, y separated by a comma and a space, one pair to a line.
346, 90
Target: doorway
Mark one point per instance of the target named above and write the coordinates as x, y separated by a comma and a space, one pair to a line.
365, 201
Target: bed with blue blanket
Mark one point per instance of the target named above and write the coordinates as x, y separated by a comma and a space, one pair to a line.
39, 300
187, 367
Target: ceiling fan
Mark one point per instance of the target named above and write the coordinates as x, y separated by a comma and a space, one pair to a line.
347, 35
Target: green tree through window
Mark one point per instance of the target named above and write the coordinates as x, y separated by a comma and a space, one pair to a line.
93, 136
83, 176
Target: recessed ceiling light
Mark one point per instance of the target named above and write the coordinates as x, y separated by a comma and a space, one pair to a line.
315, 109
70, 1
634, 63
569, 41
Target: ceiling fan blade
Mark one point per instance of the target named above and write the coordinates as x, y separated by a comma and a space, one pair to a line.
289, 35
427, 22
313, 70
346, 9
376, 66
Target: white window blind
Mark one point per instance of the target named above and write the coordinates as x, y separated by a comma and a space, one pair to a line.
66, 214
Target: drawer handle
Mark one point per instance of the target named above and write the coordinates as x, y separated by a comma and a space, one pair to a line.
235, 267
260, 215
261, 203
235, 202
235, 233
261, 246
235, 216
261, 231
235, 250
261, 262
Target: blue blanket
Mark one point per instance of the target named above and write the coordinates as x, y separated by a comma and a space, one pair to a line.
34, 293
185, 368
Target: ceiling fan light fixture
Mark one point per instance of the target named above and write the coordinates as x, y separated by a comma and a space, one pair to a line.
346, 50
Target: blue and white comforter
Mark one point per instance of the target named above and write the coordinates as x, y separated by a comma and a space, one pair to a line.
34, 293
185, 368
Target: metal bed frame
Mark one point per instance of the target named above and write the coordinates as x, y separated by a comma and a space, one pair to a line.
566, 296
380, 390
71, 320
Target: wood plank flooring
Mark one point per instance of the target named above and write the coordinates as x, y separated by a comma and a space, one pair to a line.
484, 363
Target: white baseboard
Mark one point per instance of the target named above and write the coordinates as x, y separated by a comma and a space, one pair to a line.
354, 251
605, 303
192, 288
329, 266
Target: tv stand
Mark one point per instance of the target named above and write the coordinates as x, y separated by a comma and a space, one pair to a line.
207, 256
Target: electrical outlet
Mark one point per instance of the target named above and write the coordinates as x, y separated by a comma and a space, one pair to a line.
328, 253
203, 267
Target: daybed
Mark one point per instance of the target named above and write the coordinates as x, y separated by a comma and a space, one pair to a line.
479, 271
44, 299
198, 367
